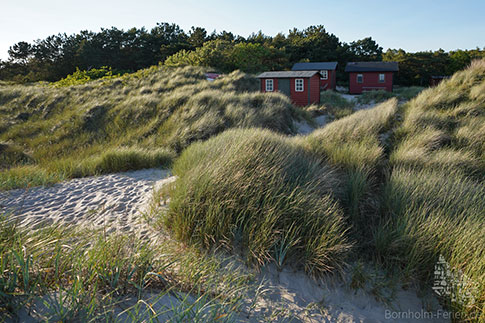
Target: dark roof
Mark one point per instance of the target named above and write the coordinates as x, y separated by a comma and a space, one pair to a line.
314, 66
286, 74
372, 67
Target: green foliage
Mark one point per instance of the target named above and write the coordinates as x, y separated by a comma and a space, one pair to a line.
417, 68
82, 77
226, 56
256, 191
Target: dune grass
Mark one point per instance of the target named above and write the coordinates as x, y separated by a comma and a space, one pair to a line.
156, 109
357, 146
258, 193
76, 274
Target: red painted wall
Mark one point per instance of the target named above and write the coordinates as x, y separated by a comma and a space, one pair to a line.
299, 98
371, 82
314, 89
330, 81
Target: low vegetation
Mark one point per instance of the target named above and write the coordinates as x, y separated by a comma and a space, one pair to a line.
433, 203
332, 104
408, 179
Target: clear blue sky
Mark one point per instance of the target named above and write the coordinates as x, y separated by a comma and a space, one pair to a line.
409, 24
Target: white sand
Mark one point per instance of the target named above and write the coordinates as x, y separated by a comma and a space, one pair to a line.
113, 201
332, 300
304, 128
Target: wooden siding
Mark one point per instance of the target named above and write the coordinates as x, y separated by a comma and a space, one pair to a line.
370, 82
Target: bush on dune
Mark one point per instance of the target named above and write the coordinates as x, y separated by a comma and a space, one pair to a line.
256, 191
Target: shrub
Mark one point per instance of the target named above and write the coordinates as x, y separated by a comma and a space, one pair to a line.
82, 77
256, 191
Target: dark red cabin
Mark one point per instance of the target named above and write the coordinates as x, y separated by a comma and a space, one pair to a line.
369, 76
303, 87
328, 72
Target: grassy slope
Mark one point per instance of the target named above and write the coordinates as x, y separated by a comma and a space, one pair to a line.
434, 201
154, 114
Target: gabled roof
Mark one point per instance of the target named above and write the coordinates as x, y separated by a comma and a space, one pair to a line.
314, 66
372, 67
286, 74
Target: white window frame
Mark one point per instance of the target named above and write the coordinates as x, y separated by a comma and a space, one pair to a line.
383, 79
324, 74
269, 85
361, 78
299, 87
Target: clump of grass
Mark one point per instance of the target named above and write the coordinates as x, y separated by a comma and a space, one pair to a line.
110, 161
333, 104
355, 145
113, 160
407, 93
12, 156
374, 96
256, 192
334, 100
27, 176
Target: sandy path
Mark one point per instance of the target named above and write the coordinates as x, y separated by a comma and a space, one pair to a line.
114, 201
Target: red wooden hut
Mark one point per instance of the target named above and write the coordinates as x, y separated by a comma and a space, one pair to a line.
328, 72
368, 76
303, 87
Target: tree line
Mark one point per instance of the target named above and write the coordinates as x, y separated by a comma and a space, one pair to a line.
57, 56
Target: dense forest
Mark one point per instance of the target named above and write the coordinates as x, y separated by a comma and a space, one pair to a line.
57, 56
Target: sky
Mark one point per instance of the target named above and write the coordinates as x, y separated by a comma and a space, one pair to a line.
412, 25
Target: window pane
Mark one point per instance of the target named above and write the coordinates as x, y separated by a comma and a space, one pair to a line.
299, 85
269, 85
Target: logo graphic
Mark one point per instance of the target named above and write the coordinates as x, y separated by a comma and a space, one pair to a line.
453, 284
